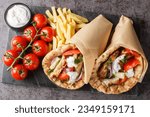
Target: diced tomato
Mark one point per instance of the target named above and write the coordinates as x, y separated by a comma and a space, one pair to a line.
63, 76
68, 69
71, 69
120, 81
134, 53
124, 80
71, 52
131, 63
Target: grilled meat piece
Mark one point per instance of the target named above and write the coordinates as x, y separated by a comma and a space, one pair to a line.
79, 67
114, 55
104, 71
58, 69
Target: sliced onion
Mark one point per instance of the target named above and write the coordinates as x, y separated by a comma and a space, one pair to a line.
53, 60
111, 73
80, 76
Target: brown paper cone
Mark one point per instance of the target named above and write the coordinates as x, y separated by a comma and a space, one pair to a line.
91, 40
125, 36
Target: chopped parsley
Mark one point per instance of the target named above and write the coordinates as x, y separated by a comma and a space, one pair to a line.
78, 60
50, 71
113, 75
109, 61
124, 60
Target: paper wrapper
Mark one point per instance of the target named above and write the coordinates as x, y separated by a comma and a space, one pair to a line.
125, 36
91, 40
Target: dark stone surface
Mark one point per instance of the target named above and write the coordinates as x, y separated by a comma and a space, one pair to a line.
136, 9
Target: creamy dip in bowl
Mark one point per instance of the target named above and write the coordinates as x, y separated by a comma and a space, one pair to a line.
17, 15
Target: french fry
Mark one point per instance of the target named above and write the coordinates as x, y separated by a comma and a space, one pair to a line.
64, 11
75, 18
63, 41
68, 11
60, 43
49, 15
59, 32
78, 26
68, 32
55, 43
52, 24
50, 47
58, 38
65, 27
79, 17
72, 30
61, 15
68, 18
61, 25
73, 23
54, 13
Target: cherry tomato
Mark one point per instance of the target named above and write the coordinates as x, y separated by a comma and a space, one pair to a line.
47, 34
131, 64
31, 61
9, 57
63, 76
29, 33
71, 52
19, 72
18, 43
40, 20
40, 48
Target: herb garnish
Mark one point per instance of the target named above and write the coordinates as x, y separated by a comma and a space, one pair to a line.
50, 71
113, 76
109, 61
78, 60
124, 60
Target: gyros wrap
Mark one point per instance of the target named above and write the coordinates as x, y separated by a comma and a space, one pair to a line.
123, 64
70, 65
61, 69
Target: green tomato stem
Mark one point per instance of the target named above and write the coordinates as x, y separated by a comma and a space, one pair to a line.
23, 51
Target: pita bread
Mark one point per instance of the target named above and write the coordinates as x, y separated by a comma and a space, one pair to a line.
107, 85
46, 65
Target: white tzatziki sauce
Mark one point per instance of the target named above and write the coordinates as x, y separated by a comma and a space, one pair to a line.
70, 61
130, 73
72, 77
115, 65
18, 16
